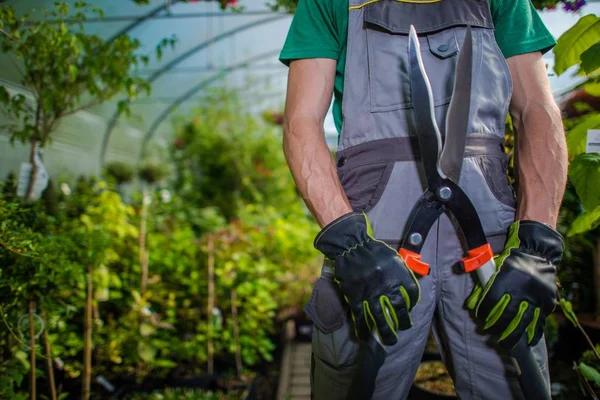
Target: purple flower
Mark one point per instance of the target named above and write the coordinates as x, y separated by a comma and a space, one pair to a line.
573, 5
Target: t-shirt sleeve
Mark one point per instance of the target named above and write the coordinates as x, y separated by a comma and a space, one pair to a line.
519, 28
312, 33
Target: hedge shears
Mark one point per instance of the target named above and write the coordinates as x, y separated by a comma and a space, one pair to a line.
442, 166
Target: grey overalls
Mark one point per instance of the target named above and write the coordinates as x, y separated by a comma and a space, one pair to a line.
378, 167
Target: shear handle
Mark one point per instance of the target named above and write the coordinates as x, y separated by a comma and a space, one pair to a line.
421, 219
479, 251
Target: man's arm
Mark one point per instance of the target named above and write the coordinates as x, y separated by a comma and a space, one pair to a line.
310, 86
540, 144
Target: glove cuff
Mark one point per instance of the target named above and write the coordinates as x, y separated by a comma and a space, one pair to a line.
342, 234
541, 239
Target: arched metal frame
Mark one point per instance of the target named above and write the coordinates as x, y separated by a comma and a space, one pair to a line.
113, 121
195, 89
169, 99
142, 19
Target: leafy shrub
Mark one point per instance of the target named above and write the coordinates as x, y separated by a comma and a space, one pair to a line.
187, 394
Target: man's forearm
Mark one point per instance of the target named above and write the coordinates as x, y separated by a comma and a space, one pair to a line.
313, 169
542, 162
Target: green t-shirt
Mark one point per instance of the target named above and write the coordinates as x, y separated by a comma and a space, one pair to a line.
319, 30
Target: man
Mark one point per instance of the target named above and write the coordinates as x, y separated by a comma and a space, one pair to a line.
357, 50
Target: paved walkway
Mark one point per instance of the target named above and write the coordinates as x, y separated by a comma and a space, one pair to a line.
294, 383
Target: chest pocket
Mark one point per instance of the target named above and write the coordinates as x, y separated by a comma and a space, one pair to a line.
388, 63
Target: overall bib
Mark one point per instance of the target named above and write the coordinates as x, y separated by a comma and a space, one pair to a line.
379, 168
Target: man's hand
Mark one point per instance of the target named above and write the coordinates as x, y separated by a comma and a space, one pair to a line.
309, 91
540, 144
522, 292
380, 289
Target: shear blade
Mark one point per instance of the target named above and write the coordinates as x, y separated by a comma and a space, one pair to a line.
457, 119
428, 133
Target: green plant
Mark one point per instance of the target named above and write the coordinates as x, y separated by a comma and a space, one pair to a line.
231, 165
589, 364
579, 47
268, 261
119, 172
140, 308
38, 256
188, 394
63, 70
152, 173
226, 158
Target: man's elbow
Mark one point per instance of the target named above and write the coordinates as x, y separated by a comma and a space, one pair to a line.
299, 124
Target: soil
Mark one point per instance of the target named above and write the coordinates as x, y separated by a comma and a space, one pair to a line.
431, 346
433, 376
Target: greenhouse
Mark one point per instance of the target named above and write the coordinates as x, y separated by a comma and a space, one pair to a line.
158, 238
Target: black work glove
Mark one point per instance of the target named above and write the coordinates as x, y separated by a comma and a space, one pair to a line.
379, 288
522, 292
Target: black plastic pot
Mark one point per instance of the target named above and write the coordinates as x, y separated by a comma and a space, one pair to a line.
304, 328
431, 356
420, 393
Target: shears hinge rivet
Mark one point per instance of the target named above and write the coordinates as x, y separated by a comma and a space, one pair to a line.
415, 239
445, 193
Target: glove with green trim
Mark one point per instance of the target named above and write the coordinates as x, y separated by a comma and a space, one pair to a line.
379, 288
522, 292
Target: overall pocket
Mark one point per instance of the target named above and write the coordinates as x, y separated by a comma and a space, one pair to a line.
326, 307
333, 341
494, 170
364, 184
485, 181
389, 67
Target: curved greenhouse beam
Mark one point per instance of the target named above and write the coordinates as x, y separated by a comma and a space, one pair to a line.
195, 89
168, 99
113, 121
142, 19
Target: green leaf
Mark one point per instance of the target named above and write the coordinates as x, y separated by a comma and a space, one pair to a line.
73, 72
146, 352
4, 95
146, 329
567, 309
22, 357
98, 11
583, 108
590, 374
572, 43
587, 221
62, 8
592, 89
165, 363
584, 173
123, 107
577, 136
131, 91
590, 59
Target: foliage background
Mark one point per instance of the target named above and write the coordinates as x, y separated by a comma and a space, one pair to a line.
226, 183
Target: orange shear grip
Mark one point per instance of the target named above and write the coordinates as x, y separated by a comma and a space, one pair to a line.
477, 257
413, 261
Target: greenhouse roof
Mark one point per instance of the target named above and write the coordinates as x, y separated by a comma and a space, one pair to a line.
214, 48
